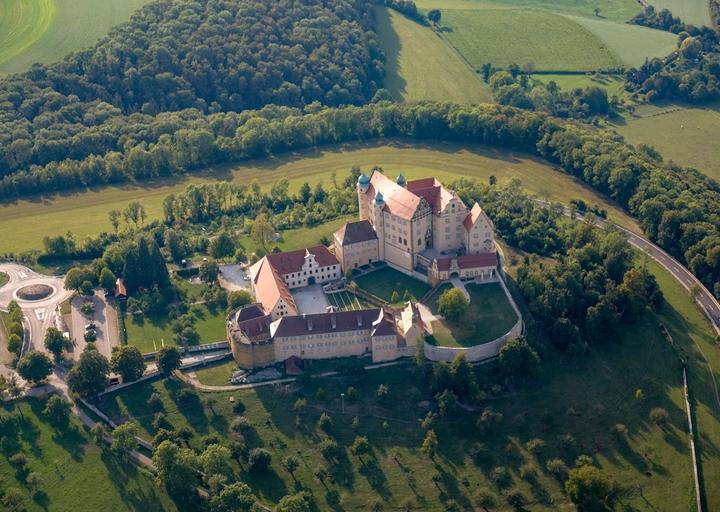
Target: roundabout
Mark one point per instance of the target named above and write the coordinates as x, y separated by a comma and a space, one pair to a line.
37, 295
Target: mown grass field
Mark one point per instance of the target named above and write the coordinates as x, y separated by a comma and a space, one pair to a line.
150, 333
489, 316
613, 84
76, 474
531, 38
24, 223
696, 12
298, 238
420, 66
685, 135
47, 30
383, 282
22, 23
217, 374
631, 44
616, 10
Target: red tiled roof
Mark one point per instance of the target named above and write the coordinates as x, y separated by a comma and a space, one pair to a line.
253, 321
120, 290
384, 326
486, 259
269, 286
341, 321
433, 191
398, 201
288, 262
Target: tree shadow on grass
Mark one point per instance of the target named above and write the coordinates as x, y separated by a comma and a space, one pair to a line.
189, 405
122, 475
267, 484
375, 476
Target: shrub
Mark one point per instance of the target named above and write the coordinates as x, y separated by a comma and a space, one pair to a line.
501, 476
557, 468
485, 499
619, 431
240, 424
659, 416
479, 452
325, 423
330, 450
516, 500
238, 407
528, 472
259, 459
535, 446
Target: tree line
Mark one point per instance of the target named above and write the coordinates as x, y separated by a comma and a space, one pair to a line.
213, 56
678, 208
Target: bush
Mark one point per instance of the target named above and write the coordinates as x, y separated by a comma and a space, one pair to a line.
535, 446
325, 423
485, 499
528, 472
659, 416
259, 459
330, 450
557, 468
501, 476
240, 424
516, 499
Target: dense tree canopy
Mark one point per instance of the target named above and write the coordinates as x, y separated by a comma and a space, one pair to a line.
214, 56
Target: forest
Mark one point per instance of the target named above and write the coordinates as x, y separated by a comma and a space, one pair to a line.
211, 56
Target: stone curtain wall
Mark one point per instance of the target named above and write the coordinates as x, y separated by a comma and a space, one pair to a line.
480, 352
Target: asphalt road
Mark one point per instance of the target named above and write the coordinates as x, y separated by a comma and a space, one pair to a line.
105, 323
704, 298
39, 314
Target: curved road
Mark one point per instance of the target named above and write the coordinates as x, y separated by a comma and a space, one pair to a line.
704, 298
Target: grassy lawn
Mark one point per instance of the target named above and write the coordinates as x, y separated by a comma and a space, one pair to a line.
488, 317
540, 39
4, 278
421, 66
76, 474
293, 239
383, 282
151, 333
616, 10
679, 133
583, 397
613, 84
47, 30
6, 356
24, 223
345, 301
217, 374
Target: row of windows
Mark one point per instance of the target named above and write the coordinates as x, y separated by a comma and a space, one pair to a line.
328, 344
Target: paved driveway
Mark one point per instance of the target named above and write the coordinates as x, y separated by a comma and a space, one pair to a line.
105, 321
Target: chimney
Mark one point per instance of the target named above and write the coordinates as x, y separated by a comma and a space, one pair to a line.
359, 320
309, 324
333, 322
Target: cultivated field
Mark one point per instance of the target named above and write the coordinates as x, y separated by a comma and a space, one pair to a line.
420, 66
528, 37
22, 22
696, 12
685, 135
613, 84
616, 10
47, 30
24, 223
631, 44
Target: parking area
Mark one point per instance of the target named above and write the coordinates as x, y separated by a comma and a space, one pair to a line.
310, 299
104, 320
234, 277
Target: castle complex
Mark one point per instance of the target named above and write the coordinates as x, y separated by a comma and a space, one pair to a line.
417, 227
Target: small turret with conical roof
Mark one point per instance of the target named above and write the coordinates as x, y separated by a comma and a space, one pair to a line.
401, 180
379, 199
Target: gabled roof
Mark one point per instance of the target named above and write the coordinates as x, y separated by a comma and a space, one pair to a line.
384, 325
355, 232
475, 214
433, 192
269, 286
293, 261
341, 321
482, 260
398, 200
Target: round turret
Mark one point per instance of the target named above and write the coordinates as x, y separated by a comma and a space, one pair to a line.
379, 198
401, 180
363, 180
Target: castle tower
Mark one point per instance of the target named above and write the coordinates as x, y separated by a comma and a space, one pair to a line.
401, 181
378, 222
363, 184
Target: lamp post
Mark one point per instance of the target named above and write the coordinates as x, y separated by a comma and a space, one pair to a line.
342, 402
